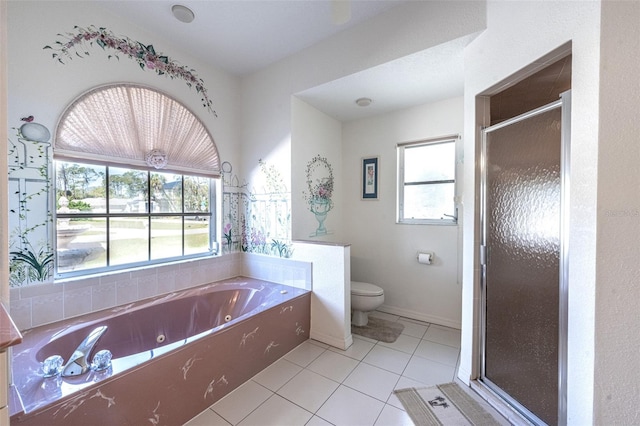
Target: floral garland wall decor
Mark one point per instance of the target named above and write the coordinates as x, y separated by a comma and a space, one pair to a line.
320, 186
75, 44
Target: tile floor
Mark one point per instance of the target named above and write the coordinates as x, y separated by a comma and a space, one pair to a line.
316, 384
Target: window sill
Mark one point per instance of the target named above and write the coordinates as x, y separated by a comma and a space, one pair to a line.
133, 268
427, 222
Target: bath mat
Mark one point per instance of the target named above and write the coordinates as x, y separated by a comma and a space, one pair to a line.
379, 329
445, 404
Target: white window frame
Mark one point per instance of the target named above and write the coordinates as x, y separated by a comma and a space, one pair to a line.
448, 218
212, 215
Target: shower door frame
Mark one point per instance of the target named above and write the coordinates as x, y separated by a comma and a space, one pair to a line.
564, 103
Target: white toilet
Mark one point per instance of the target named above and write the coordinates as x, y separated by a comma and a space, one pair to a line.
365, 297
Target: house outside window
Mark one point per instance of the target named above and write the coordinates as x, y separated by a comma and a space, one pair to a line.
427, 181
111, 217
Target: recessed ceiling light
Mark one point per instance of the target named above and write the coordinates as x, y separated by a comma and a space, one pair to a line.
363, 102
182, 13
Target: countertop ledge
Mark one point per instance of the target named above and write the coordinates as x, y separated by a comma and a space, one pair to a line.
9, 333
321, 243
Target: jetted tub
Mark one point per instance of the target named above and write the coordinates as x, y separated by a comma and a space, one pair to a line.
173, 355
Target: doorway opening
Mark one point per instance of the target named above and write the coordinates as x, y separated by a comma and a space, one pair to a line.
521, 349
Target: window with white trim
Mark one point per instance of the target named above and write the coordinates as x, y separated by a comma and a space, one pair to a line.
427, 181
115, 217
135, 182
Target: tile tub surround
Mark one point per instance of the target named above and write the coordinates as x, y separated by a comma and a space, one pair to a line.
39, 304
173, 387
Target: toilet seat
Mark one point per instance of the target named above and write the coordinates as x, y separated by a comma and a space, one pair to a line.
365, 289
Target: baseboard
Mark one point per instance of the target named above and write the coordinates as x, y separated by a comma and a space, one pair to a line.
332, 340
421, 316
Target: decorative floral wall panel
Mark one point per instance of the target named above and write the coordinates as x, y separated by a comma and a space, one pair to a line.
319, 174
257, 221
30, 220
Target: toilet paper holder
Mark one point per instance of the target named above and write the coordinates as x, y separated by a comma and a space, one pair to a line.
425, 257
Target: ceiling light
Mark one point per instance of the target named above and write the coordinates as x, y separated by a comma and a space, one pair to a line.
363, 102
182, 13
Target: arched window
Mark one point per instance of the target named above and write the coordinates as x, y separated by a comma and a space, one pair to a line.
124, 123
135, 181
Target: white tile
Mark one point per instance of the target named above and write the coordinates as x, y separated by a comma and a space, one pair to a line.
242, 401
304, 353
428, 372
404, 343
21, 312
372, 381
384, 315
366, 339
277, 374
318, 343
443, 354
77, 301
277, 411
413, 328
334, 366
317, 421
103, 296
406, 382
309, 390
207, 418
358, 350
403, 383
47, 308
443, 335
393, 416
388, 359
126, 291
350, 408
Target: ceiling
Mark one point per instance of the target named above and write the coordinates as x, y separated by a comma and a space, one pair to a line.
244, 36
424, 77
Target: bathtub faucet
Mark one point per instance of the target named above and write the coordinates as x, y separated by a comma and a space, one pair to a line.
79, 362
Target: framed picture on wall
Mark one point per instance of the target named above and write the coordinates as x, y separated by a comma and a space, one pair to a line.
370, 170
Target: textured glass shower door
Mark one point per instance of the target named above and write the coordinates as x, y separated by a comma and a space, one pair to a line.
521, 261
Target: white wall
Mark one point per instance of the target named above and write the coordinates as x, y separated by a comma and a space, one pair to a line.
518, 34
384, 252
256, 125
315, 133
39, 85
42, 87
617, 340
331, 299
266, 94
267, 131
